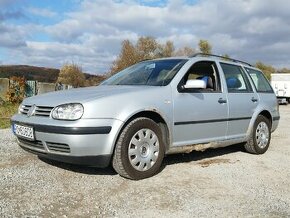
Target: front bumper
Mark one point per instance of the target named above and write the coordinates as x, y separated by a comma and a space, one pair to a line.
85, 141
95, 161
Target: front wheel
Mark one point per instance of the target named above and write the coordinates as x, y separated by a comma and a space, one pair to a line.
261, 136
139, 150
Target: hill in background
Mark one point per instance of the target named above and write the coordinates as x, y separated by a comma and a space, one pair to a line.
41, 74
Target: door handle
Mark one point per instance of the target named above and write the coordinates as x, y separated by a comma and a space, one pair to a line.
254, 99
222, 101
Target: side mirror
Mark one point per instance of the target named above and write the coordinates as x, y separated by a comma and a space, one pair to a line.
195, 84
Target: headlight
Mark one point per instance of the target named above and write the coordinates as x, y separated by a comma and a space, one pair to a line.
72, 111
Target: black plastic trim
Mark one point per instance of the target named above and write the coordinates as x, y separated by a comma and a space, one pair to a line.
276, 118
211, 121
68, 130
101, 161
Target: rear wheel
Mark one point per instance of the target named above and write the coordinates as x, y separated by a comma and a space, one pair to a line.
261, 136
139, 150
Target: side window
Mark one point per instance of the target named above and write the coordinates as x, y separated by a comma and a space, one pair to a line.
260, 81
236, 79
204, 70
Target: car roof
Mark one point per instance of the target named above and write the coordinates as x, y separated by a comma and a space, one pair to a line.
208, 56
212, 57
220, 58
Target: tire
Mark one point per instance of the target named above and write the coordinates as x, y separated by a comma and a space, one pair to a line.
139, 150
260, 137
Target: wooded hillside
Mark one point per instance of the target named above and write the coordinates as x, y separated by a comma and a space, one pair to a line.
41, 74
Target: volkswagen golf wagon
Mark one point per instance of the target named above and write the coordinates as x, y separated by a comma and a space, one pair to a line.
149, 110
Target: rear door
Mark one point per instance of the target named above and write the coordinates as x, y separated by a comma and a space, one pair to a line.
242, 100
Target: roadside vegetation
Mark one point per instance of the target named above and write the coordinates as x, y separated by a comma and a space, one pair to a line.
6, 111
14, 97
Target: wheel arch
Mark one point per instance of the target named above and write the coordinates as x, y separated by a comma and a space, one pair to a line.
156, 117
264, 113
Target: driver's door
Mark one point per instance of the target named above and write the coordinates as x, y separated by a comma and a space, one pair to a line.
200, 115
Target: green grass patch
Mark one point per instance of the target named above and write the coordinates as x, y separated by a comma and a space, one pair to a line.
6, 111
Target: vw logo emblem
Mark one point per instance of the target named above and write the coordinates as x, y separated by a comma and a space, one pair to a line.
31, 111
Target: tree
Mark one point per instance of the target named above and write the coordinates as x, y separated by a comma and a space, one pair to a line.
167, 50
127, 57
185, 51
204, 46
146, 48
266, 69
284, 70
94, 81
16, 91
71, 74
226, 56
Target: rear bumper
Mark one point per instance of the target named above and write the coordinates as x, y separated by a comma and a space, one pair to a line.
275, 123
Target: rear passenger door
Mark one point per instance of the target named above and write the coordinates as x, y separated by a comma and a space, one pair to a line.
242, 100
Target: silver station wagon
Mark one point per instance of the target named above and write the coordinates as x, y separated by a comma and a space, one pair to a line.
151, 109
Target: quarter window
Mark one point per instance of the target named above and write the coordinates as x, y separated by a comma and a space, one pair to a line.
236, 79
260, 81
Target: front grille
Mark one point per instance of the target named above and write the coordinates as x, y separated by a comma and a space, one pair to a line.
58, 147
31, 144
24, 109
43, 111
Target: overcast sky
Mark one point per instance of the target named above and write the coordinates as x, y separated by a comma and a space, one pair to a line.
89, 32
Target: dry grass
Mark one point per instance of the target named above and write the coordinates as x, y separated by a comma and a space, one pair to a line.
6, 111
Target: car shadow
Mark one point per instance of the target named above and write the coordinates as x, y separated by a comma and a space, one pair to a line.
200, 155
79, 168
168, 160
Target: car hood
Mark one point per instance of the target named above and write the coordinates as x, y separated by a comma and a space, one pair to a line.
81, 95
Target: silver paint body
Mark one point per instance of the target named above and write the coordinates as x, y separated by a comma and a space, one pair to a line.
115, 105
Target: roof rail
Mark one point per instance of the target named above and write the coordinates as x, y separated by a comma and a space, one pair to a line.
219, 56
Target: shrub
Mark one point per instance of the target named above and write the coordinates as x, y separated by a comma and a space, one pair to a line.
16, 91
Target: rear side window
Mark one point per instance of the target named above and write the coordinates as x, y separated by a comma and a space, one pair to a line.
236, 79
260, 81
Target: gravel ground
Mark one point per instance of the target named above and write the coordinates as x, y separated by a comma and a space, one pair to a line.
226, 182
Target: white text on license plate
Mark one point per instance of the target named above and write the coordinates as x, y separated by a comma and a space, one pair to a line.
24, 131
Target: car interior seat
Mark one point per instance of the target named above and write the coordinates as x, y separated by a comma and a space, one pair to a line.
208, 81
233, 83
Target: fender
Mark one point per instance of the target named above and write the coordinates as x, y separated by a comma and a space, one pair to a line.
131, 115
258, 111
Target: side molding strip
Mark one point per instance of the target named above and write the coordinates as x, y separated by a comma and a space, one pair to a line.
211, 121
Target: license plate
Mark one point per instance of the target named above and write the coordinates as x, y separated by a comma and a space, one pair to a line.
23, 131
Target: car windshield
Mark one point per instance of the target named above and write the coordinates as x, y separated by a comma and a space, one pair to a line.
151, 73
